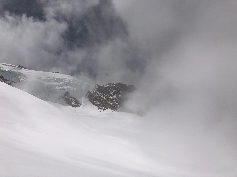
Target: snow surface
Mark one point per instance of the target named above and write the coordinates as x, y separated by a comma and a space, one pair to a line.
39, 139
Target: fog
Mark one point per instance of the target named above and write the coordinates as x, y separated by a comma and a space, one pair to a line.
188, 91
180, 55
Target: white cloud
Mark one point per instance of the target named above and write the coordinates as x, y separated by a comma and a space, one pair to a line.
28, 42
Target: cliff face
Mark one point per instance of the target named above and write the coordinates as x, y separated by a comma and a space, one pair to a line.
110, 96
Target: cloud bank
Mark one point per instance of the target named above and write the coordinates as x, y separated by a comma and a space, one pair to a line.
59, 35
188, 91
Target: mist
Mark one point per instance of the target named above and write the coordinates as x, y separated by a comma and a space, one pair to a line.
180, 55
188, 91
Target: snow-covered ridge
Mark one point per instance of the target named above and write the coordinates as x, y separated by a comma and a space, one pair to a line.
10, 73
65, 89
45, 85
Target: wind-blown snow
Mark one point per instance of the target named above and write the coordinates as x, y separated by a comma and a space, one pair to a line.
39, 139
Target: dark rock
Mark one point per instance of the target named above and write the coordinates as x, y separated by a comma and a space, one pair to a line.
21, 67
110, 96
10, 77
72, 101
2, 79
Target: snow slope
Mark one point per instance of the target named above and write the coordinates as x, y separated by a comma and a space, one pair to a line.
38, 139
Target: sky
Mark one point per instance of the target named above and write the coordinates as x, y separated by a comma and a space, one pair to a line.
110, 40
180, 54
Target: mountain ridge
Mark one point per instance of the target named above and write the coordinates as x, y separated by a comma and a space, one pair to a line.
64, 89
45, 85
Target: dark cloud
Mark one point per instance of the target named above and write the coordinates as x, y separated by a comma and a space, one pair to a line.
30, 8
88, 26
98, 25
92, 27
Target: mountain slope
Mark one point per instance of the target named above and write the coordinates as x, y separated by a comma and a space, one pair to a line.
54, 87
37, 139
64, 89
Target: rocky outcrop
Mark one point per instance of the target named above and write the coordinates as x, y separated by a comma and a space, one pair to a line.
65, 90
71, 101
10, 76
110, 96
2, 79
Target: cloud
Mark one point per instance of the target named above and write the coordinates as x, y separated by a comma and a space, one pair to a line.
66, 36
30, 43
91, 25
187, 93
32, 8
